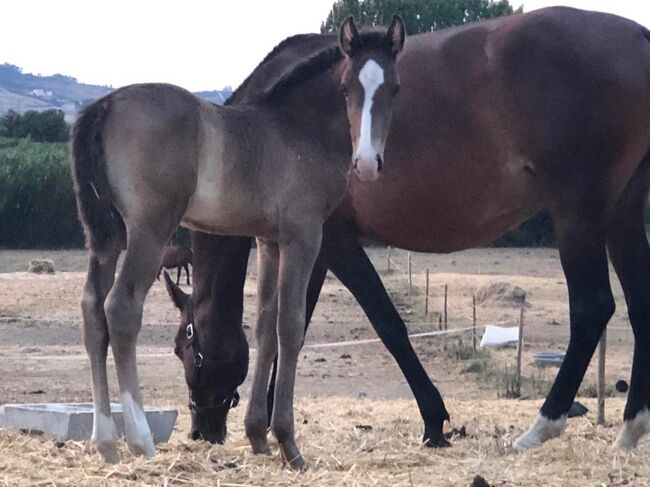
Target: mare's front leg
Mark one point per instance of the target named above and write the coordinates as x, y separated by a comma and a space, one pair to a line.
124, 314
349, 262
299, 247
267, 342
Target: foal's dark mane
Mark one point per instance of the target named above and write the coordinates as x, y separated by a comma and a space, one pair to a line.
314, 65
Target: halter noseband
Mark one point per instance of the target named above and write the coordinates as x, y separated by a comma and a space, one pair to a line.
198, 361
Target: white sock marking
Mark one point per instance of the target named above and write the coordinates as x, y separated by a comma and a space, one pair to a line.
543, 429
633, 430
136, 426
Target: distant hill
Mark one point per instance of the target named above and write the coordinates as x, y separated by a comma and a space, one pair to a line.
24, 91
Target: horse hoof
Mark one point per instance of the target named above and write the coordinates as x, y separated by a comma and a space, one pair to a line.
543, 429
298, 464
144, 448
633, 430
440, 442
260, 447
108, 451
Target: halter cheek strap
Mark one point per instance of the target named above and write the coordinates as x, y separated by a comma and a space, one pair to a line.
198, 361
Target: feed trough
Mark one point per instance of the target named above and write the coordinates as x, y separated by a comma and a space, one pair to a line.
548, 359
74, 421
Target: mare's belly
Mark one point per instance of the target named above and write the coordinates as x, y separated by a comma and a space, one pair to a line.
428, 208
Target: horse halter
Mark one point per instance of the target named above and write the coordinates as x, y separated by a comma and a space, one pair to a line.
198, 361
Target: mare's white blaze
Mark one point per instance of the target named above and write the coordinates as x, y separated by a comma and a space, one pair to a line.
138, 434
543, 429
633, 430
371, 78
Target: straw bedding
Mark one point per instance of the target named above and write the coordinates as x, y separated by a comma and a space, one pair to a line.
355, 442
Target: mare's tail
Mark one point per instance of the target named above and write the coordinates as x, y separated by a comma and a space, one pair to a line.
101, 221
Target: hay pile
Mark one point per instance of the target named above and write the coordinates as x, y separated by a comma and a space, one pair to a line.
383, 450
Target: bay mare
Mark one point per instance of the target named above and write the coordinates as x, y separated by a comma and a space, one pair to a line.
495, 121
148, 157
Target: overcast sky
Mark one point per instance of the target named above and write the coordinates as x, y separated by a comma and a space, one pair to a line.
198, 44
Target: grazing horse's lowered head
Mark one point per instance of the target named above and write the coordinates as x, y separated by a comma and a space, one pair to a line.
212, 383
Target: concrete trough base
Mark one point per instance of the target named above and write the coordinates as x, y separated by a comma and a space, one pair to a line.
74, 421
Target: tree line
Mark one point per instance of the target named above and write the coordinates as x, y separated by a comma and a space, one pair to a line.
45, 126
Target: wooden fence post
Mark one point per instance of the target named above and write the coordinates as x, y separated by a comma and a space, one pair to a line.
520, 346
410, 274
444, 315
602, 352
474, 321
426, 298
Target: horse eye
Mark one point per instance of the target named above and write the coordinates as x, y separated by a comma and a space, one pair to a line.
344, 90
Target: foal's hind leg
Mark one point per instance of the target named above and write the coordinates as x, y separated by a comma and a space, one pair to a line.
101, 274
267, 343
628, 249
124, 312
581, 238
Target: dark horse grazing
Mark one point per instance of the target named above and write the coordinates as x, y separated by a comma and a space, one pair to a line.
178, 257
148, 157
495, 121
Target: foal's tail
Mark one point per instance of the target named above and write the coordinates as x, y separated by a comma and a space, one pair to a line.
101, 221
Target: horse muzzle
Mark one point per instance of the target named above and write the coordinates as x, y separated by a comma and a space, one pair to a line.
368, 166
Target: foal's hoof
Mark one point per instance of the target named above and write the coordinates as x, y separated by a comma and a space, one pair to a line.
108, 451
143, 448
298, 463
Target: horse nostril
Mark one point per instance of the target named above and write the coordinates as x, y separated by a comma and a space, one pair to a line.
196, 435
380, 162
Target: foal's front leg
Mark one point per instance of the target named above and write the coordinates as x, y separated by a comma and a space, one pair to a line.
298, 253
267, 343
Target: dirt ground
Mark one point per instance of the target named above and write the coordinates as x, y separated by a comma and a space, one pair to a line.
42, 359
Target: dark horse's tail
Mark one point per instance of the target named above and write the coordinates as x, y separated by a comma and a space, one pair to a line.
101, 221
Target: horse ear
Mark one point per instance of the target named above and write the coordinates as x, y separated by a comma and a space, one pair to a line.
396, 34
179, 297
348, 36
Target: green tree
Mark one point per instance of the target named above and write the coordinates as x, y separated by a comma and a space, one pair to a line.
45, 126
418, 15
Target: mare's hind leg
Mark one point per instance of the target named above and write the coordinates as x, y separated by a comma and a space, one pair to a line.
187, 273
124, 312
101, 274
581, 238
298, 252
267, 343
630, 254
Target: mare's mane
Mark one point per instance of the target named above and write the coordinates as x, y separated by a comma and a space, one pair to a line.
309, 67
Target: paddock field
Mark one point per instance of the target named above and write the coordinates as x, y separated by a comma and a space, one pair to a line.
355, 418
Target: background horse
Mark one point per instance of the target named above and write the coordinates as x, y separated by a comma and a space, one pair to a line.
255, 170
496, 120
176, 257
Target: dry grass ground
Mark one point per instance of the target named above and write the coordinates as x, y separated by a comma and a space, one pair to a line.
340, 453
41, 359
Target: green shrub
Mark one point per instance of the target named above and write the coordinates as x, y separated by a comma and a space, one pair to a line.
37, 205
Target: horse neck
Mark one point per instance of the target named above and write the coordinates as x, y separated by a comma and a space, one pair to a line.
317, 109
220, 265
